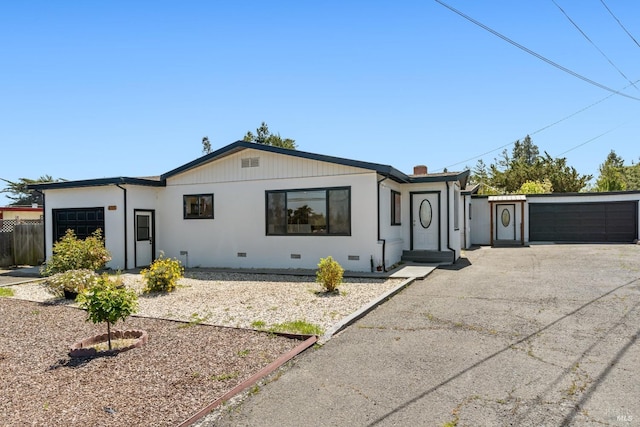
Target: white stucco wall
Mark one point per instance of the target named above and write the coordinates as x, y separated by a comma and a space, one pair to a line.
138, 197
465, 236
480, 221
392, 236
453, 235
91, 197
239, 226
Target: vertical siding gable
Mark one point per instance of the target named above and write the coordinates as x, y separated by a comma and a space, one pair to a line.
272, 166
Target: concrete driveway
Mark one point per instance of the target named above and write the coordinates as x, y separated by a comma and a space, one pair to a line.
539, 336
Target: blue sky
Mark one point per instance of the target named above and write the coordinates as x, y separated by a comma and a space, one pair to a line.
120, 88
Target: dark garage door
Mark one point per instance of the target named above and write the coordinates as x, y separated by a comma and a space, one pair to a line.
83, 221
583, 222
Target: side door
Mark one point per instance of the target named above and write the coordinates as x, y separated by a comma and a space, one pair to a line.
144, 237
505, 221
425, 221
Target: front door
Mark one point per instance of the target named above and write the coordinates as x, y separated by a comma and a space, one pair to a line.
425, 221
144, 231
505, 222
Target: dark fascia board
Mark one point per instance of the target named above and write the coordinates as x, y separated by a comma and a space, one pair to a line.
443, 177
471, 191
122, 180
593, 193
232, 148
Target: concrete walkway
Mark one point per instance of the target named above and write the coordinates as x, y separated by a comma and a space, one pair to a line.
16, 276
539, 336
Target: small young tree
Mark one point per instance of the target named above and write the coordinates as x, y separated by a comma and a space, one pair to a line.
108, 301
329, 274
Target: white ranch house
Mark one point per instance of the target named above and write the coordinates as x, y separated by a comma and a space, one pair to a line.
248, 205
254, 206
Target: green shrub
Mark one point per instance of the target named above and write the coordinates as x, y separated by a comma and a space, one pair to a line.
329, 274
71, 253
108, 301
162, 275
71, 281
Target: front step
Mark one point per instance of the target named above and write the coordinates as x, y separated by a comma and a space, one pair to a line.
506, 243
429, 257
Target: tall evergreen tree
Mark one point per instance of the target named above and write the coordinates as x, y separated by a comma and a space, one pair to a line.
611, 176
525, 164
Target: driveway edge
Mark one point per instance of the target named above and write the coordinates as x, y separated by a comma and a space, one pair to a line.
365, 309
251, 380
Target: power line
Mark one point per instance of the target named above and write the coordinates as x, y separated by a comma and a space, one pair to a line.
539, 130
586, 142
592, 43
537, 55
619, 23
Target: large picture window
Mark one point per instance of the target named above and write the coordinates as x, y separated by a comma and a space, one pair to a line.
318, 211
198, 206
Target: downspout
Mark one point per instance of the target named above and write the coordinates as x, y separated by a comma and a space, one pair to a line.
126, 258
44, 225
464, 219
384, 242
449, 223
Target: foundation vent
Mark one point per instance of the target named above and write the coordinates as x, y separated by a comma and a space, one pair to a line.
242, 254
354, 257
295, 256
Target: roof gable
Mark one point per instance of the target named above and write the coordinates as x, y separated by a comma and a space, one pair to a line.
242, 145
235, 147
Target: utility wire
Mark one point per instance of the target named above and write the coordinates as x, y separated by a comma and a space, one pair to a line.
592, 43
537, 55
539, 130
619, 23
586, 142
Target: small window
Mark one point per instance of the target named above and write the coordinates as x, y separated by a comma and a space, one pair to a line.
198, 206
396, 200
142, 228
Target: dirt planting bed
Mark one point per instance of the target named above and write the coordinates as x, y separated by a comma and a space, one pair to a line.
181, 369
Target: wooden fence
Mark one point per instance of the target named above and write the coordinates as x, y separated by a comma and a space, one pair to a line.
24, 245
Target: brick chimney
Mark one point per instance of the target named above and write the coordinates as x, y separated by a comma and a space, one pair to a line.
420, 170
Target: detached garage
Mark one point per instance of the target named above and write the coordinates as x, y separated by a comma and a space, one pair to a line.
584, 222
612, 217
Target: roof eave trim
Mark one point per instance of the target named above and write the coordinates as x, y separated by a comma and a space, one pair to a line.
462, 177
101, 182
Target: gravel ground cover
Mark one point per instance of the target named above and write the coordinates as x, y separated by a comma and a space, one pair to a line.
240, 300
182, 368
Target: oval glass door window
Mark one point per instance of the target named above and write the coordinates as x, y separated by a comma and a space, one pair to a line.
426, 214
505, 217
